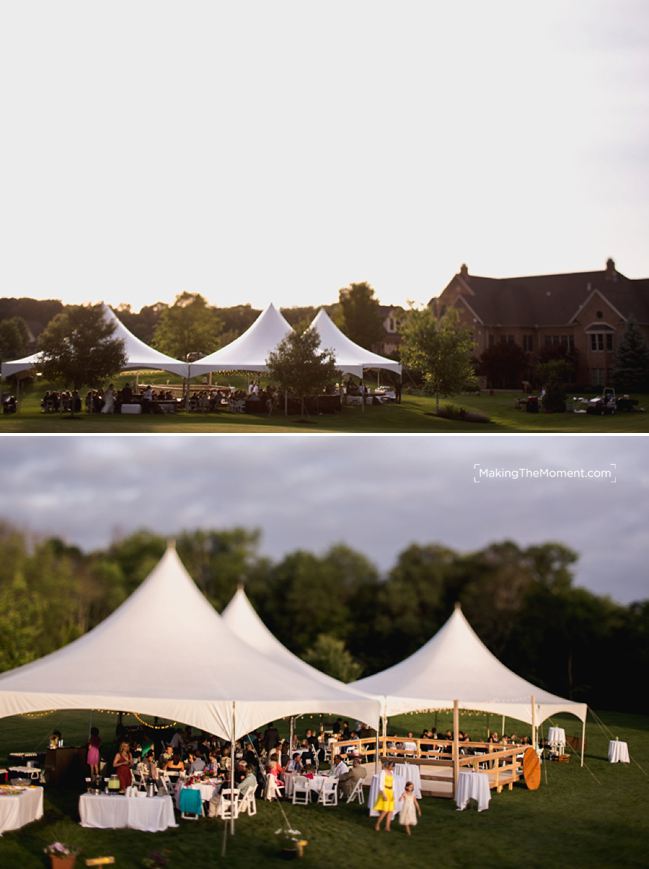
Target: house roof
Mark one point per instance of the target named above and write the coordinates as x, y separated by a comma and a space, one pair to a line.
552, 299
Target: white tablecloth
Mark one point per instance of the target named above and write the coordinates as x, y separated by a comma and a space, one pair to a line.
207, 791
20, 809
151, 814
315, 783
618, 752
131, 408
398, 787
557, 737
411, 773
472, 785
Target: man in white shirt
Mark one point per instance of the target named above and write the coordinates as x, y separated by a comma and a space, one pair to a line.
338, 767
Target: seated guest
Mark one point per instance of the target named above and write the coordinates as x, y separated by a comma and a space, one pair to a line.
295, 764
196, 763
493, 738
175, 764
151, 767
338, 767
166, 756
55, 739
212, 766
274, 767
349, 779
249, 781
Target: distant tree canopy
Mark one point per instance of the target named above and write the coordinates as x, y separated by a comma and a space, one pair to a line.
360, 314
336, 610
78, 348
14, 338
189, 326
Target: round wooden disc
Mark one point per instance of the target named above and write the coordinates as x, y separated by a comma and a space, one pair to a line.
531, 769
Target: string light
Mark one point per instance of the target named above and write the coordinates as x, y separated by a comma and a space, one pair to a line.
37, 714
153, 726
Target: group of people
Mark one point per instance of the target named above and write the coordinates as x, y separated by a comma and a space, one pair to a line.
66, 401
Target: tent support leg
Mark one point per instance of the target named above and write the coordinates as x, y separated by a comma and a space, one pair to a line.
456, 744
583, 738
534, 738
232, 760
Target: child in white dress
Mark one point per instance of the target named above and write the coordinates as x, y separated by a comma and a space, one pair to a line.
409, 807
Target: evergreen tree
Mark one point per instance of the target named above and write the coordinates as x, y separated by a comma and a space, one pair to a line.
631, 371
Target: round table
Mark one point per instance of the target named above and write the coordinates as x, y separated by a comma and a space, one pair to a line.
472, 786
618, 752
20, 806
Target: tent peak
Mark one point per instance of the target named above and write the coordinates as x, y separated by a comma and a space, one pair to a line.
457, 606
171, 543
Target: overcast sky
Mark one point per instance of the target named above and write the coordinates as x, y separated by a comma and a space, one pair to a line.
263, 151
376, 494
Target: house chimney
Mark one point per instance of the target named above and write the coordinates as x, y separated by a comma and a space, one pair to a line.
464, 270
611, 274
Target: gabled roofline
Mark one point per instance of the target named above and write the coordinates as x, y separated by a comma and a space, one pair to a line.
604, 299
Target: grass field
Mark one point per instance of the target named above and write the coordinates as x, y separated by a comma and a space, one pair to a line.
413, 415
592, 817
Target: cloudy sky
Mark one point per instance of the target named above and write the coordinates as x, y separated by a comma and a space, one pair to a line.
376, 494
258, 151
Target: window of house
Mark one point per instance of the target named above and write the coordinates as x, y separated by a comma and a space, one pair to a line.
391, 324
601, 337
597, 376
528, 343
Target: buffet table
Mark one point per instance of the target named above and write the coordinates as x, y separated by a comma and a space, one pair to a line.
149, 814
19, 806
557, 739
472, 786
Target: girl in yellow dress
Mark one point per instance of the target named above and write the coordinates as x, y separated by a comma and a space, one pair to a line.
384, 804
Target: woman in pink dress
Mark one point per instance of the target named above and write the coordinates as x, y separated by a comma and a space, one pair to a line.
93, 758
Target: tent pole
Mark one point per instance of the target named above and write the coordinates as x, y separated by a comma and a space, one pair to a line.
583, 738
456, 744
232, 753
291, 735
534, 738
363, 390
502, 728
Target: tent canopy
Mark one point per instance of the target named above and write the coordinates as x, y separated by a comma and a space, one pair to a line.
249, 351
204, 676
241, 618
456, 665
351, 358
138, 354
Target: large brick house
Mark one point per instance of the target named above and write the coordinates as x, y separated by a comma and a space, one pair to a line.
587, 311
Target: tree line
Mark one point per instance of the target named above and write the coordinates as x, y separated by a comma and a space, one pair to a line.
339, 612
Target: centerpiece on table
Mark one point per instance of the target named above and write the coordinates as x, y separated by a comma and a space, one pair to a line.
61, 856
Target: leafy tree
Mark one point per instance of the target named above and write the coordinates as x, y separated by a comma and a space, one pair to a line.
190, 325
300, 368
142, 324
503, 364
440, 350
361, 314
78, 348
631, 371
329, 655
13, 338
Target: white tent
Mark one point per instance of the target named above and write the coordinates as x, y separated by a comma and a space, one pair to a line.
240, 616
165, 651
138, 354
351, 358
249, 351
456, 665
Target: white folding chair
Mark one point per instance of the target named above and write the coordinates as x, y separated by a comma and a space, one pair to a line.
228, 804
301, 791
357, 793
248, 803
328, 795
273, 789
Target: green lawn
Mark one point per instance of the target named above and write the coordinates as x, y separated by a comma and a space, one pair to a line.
412, 416
594, 817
